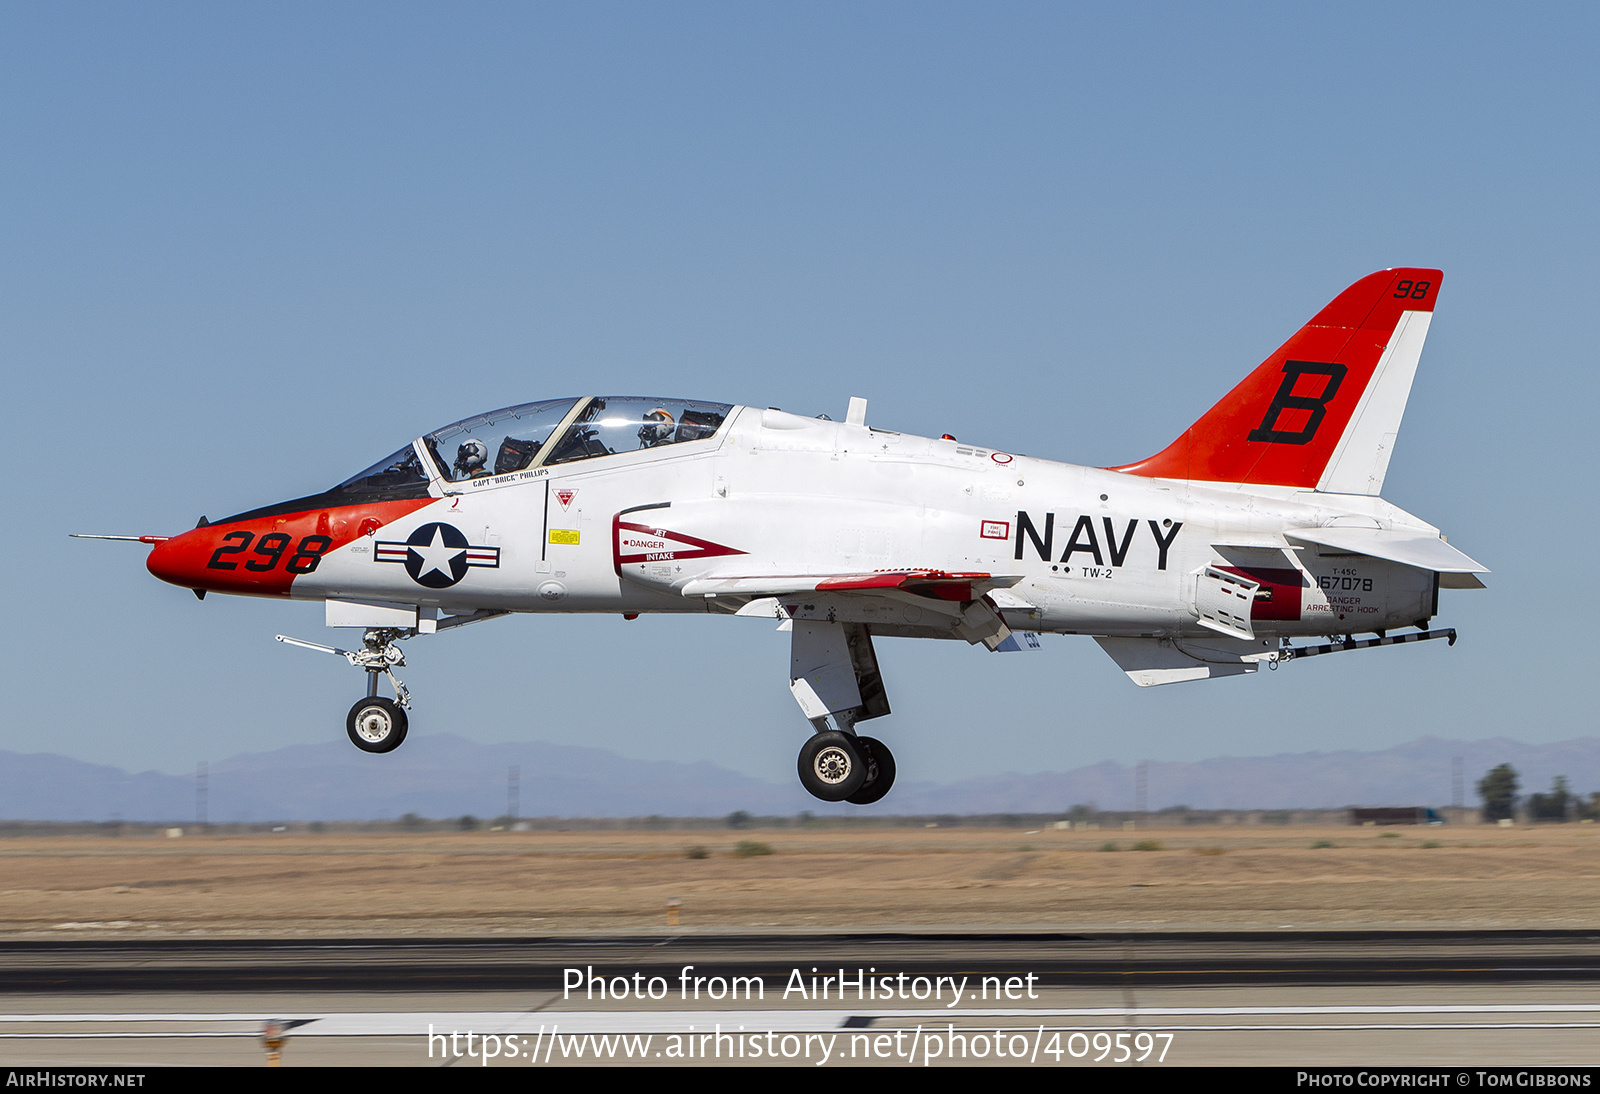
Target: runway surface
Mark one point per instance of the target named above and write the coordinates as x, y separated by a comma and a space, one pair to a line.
1301, 999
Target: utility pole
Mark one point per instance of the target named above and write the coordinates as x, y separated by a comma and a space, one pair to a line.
201, 776
513, 792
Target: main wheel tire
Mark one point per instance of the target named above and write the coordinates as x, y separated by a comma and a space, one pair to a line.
831, 767
376, 724
880, 771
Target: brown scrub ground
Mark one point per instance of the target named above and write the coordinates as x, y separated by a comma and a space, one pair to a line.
484, 884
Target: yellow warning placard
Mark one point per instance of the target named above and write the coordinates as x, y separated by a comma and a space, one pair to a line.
564, 535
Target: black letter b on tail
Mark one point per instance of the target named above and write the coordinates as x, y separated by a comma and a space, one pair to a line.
1315, 405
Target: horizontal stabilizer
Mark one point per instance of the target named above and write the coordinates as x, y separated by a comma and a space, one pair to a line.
1266, 541
1152, 661
1402, 545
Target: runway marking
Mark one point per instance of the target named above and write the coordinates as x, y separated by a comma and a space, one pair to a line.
420, 1023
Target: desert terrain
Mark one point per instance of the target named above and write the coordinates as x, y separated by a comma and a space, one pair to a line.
484, 884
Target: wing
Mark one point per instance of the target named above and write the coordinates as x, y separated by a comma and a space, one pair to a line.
915, 602
895, 603
935, 584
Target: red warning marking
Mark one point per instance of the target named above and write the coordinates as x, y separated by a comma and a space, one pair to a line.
565, 497
649, 544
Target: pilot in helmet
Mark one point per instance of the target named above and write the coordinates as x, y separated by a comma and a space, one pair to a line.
470, 458
657, 429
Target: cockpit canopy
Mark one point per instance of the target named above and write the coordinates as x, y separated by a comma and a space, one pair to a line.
628, 424
520, 437
496, 443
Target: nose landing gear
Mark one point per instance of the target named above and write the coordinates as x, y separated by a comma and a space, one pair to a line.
375, 724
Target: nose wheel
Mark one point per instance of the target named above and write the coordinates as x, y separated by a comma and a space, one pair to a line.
376, 724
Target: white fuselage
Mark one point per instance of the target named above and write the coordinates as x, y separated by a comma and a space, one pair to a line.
1096, 552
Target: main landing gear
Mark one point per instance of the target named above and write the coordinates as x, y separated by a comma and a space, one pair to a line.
843, 767
833, 673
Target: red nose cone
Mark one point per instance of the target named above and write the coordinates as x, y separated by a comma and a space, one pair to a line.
228, 558
256, 558
265, 554
181, 560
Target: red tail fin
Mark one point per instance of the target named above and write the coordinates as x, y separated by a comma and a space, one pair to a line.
1283, 422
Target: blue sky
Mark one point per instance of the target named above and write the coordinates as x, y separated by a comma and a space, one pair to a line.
249, 249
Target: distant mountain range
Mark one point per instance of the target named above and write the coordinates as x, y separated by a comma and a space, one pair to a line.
446, 776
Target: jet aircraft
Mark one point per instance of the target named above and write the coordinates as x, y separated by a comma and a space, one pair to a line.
1260, 525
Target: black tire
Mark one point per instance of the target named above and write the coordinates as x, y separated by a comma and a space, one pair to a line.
831, 767
880, 771
376, 724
